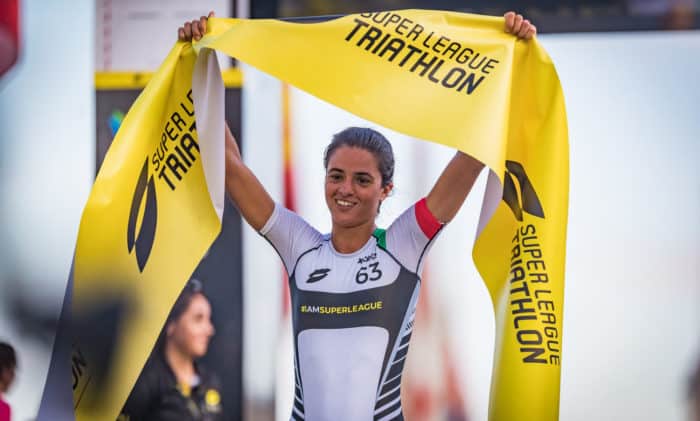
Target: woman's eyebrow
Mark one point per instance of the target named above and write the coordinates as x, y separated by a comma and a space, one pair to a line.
358, 173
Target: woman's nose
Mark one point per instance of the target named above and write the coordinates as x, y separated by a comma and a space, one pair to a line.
345, 187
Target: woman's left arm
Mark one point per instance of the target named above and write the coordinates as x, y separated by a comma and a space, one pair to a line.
453, 186
457, 179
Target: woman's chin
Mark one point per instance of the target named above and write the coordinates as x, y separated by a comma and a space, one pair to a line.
343, 220
199, 352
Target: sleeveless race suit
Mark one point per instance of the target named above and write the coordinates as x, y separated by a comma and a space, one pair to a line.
352, 313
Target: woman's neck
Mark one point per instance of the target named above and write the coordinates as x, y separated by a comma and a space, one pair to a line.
348, 240
181, 364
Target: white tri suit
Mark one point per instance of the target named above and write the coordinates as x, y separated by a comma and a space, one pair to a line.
352, 314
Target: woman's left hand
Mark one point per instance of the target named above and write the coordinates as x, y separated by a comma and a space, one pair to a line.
518, 26
194, 29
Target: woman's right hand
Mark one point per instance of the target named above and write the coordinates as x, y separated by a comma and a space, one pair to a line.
250, 197
194, 29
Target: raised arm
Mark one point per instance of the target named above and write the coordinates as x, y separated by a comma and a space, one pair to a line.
457, 179
248, 194
453, 186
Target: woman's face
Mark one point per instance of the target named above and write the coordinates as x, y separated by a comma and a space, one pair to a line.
353, 187
7, 376
192, 331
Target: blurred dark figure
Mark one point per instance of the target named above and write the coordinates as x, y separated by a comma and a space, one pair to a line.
694, 393
674, 14
680, 17
172, 385
8, 364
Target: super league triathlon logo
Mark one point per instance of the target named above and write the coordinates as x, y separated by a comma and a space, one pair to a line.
527, 201
171, 159
143, 241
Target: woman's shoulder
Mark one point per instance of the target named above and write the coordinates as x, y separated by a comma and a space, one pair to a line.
283, 218
416, 217
156, 374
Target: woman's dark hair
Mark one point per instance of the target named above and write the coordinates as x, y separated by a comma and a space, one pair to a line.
193, 287
8, 359
369, 140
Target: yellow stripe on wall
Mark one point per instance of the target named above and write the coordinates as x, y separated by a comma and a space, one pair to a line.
107, 81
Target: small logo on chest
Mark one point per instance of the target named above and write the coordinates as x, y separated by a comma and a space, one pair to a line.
366, 259
317, 275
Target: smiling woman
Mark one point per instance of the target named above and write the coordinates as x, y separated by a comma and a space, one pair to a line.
359, 166
358, 284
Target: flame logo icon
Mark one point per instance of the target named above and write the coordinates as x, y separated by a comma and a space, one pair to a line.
142, 241
527, 201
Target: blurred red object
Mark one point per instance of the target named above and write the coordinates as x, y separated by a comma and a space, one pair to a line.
9, 34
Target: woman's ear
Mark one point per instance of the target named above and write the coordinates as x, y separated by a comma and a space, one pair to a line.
169, 329
386, 190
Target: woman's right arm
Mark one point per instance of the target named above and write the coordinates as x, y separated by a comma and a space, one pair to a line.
246, 191
248, 194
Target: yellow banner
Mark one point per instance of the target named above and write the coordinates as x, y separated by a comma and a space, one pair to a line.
450, 78
148, 222
459, 80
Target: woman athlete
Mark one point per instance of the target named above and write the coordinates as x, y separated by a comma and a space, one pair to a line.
353, 291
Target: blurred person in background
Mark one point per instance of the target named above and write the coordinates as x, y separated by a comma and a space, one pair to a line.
8, 364
676, 14
694, 393
173, 385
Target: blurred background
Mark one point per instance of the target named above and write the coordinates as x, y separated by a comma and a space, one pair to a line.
632, 315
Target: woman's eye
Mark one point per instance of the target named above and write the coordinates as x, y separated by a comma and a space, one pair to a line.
364, 181
335, 177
